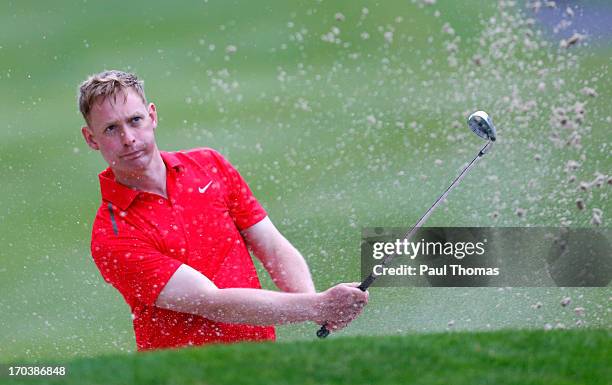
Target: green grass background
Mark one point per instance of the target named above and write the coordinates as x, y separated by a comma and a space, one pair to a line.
502, 357
322, 172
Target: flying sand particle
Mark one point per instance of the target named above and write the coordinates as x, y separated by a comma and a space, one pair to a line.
589, 92
573, 40
565, 301
571, 165
596, 217
579, 311
584, 186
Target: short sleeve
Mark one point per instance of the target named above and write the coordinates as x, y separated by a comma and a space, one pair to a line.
136, 268
244, 208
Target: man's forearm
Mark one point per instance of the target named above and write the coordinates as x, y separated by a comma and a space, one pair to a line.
289, 270
283, 262
259, 307
188, 291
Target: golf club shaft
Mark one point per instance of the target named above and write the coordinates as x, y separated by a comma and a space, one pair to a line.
323, 332
371, 278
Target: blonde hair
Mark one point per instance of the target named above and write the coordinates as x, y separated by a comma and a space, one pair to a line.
105, 84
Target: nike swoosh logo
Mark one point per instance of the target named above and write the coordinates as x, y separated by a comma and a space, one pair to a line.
202, 190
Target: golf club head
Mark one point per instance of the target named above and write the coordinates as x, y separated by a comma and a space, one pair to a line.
480, 122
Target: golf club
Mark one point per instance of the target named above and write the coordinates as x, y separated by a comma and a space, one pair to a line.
482, 125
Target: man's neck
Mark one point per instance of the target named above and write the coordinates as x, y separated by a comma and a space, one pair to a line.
152, 179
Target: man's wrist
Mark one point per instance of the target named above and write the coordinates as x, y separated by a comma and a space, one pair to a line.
317, 307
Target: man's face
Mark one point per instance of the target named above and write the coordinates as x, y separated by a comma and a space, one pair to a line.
122, 129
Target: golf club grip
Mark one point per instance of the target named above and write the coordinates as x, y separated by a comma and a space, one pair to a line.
367, 282
323, 332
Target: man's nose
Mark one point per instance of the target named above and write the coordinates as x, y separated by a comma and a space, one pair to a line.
127, 137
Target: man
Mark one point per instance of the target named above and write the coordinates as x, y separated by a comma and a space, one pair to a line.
172, 232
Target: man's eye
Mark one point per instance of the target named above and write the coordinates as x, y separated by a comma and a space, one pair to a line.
136, 119
110, 129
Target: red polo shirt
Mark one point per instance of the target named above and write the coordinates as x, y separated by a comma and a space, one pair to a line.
139, 239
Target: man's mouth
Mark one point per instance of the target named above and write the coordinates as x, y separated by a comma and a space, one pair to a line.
133, 154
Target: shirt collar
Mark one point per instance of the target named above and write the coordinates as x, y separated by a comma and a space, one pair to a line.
121, 195
171, 159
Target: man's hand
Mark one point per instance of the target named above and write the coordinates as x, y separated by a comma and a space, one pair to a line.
341, 304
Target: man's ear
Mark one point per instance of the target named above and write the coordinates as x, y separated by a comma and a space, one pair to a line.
89, 138
153, 114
